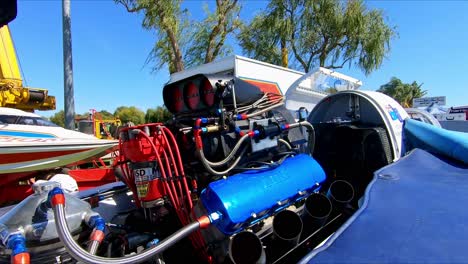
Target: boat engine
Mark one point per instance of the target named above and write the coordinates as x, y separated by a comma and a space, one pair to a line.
232, 152
230, 179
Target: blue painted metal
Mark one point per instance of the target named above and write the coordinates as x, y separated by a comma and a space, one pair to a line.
247, 197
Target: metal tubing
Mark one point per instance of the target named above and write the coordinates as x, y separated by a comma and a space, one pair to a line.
311, 140
284, 142
93, 247
287, 229
340, 194
317, 209
230, 156
264, 110
246, 248
82, 255
219, 173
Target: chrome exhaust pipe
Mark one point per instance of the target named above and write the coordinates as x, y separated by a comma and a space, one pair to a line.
287, 229
317, 209
246, 248
340, 193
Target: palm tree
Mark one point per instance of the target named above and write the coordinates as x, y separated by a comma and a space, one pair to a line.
403, 93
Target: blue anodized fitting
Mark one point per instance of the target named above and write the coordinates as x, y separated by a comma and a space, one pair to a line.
17, 243
52, 193
97, 222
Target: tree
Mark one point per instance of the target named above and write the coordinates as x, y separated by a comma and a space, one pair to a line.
265, 38
403, 93
180, 42
326, 33
58, 118
159, 114
106, 115
130, 114
84, 116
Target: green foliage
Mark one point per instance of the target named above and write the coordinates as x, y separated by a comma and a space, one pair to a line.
106, 115
170, 24
58, 118
130, 114
260, 40
209, 35
326, 33
85, 115
159, 114
180, 41
403, 93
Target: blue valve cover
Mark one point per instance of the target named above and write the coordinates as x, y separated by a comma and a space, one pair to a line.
249, 196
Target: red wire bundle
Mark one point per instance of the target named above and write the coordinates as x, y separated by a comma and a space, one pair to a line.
173, 177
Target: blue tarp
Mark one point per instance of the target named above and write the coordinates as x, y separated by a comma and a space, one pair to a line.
414, 211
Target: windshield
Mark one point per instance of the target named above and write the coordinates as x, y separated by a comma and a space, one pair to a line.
25, 120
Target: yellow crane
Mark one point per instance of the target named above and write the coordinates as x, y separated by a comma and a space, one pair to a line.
12, 92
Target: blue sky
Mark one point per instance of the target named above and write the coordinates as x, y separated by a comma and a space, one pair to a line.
110, 49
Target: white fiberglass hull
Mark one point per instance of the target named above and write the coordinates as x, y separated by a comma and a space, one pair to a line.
31, 154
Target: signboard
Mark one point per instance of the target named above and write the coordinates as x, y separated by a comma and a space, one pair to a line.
427, 101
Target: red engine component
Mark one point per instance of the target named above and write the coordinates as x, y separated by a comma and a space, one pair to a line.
178, 100
192, 96
143, 168
153, 170
207, 92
